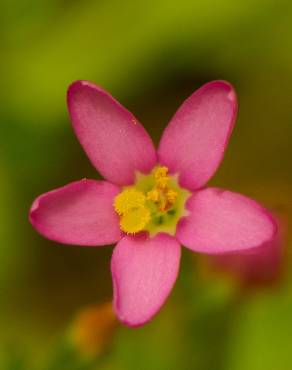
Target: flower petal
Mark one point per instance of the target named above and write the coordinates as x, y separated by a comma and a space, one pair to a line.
116, 143
193, 143
222, 222
144, 271
260, 266
79, 213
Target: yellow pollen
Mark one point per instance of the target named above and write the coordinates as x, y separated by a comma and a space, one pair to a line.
135, 220
129, 199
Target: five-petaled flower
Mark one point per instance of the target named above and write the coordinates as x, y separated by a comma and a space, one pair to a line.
151, 202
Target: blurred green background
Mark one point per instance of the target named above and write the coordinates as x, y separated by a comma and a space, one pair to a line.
150, 56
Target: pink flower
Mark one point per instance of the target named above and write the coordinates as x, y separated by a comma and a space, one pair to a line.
151, 202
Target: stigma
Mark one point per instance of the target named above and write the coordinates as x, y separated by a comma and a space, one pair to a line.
150, 204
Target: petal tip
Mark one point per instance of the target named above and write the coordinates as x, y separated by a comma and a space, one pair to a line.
73, 86
223, 85
80, 83
34, 206
273, 224
33, 212
77, 86
220, 83
33, 215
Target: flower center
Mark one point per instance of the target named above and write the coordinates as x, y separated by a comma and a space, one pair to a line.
154, 203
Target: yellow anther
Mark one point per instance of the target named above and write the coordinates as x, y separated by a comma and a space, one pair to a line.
162, 182
135, 220
129, 199
153, 195
161, 178
171, 196
160, 171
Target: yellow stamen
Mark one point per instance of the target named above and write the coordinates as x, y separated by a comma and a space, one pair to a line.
153, 195
160, 171
161, 178
129, 199
162, 194
171, 195
162, 182
135, 207
135, 220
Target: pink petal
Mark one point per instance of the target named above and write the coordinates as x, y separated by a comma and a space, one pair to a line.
113, 139
79, 213
260, 266
221, 222
193, 143
144, 271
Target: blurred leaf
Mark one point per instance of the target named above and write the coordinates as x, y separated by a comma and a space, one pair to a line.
261, 337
